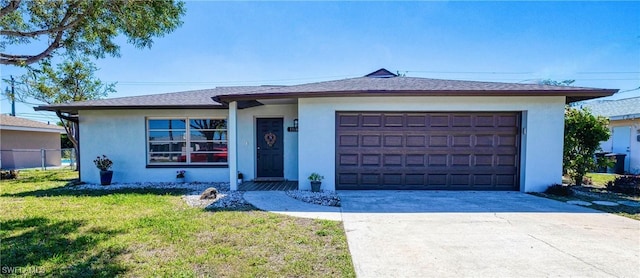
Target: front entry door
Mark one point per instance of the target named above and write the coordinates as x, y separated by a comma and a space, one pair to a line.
270, 153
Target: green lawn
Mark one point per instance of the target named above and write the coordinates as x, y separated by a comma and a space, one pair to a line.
601, 179
54, 231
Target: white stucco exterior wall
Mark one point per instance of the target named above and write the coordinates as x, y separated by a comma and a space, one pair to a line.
121, 135
541, 152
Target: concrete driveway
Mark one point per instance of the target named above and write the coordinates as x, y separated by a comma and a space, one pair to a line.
484, 234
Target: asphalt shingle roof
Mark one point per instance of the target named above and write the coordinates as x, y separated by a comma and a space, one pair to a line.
371, 85
615, 108
187, 99
11, 121
414, 84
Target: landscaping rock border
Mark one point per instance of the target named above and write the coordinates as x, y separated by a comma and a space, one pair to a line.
323, 198
226, 199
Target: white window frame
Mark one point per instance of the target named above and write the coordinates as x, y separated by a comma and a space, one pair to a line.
187, 142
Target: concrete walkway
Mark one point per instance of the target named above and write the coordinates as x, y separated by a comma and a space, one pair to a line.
279, 202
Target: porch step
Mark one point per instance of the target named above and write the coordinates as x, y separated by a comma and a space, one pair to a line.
268, 179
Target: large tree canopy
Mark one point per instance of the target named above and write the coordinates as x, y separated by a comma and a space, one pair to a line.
86, 27
72, 80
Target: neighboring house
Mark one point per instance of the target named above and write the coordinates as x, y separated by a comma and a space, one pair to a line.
26, 143
380, 131
624, 122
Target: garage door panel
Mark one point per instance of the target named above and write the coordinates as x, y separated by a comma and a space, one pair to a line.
508, 120
422, 150
371, 140
461, 121
372, 120
348, 120
438, 141
393, 141
371, 179
414, 120
348, 140
348, 159
371, 160
391, 120
416, 140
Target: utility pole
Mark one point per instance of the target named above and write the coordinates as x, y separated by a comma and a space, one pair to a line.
13, 97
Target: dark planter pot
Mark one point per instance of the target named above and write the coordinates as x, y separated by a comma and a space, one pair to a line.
315, 186
105, 177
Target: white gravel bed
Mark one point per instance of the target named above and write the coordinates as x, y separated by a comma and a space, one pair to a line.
225, 198
196, 186
323, 198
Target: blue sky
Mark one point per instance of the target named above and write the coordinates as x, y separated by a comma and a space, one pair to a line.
257, 43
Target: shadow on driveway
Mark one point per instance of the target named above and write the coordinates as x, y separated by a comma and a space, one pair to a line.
393, 201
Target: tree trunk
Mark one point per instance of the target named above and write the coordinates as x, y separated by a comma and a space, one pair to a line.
72, 133
578, 179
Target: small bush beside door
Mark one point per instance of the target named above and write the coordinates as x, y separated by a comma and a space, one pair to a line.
316, 182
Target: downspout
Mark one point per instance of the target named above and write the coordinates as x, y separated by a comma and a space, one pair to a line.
76, 131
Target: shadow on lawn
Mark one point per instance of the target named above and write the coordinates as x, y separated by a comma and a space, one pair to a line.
34, 242
68, 190
44, 176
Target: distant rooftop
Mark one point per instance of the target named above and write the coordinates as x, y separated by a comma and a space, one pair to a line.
616, 109
8, 122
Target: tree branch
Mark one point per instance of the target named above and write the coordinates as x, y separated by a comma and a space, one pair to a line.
12, 6
39, 32
17, 60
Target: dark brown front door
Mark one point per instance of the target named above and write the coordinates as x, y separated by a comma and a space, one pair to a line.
270, 155
428, 150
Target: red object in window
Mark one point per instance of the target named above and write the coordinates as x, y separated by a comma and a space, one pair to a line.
204, 157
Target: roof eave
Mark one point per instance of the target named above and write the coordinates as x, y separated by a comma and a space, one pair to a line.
74, 109
625, 117
33, 129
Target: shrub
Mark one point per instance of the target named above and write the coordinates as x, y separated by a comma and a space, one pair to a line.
629, 185
583, 132
559, 190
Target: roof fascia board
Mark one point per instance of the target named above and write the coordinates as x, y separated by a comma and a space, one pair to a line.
75, 109
582, 94
625, 117
35, 129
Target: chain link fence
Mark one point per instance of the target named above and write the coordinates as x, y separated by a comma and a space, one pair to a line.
37, 158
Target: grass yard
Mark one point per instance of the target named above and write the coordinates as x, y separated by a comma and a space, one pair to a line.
54, 231
601, 179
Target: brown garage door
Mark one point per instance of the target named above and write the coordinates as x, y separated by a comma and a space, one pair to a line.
427, 150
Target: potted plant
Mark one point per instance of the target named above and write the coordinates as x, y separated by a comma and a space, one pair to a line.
240, 177
180, 176
104, 164
316, 182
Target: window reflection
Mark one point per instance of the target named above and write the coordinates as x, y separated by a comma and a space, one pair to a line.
202, 141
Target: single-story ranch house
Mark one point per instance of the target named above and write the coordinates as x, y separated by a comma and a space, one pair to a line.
380, 131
